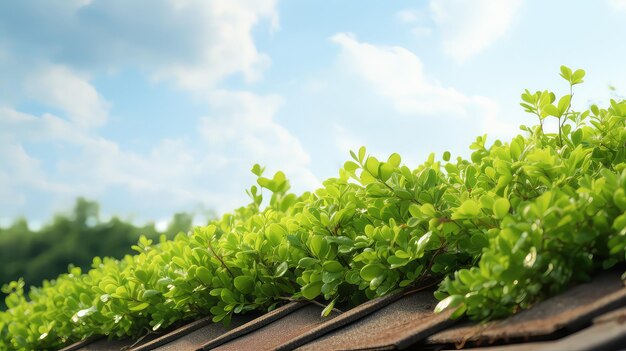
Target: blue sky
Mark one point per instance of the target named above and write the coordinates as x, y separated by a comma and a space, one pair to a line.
153, 107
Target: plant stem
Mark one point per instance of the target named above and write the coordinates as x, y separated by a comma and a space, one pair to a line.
220, 259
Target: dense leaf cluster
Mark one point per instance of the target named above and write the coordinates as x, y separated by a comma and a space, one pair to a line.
517, 222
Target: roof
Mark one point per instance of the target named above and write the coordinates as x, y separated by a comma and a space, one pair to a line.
589, 316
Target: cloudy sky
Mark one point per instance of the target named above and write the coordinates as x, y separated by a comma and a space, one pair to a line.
152, 107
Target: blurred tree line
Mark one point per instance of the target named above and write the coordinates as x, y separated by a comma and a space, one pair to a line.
74, 238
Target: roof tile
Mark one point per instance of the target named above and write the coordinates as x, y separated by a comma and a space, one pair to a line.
552, 318
273, 334
397, 325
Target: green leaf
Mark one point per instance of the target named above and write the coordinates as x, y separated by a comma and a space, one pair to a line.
552, 110
281, 269
136, 307
428, 210
350, 166
421, 244
204, 275
564, 104
141, 275
413, 222
396, 261
414, 210
257, 170
265, 183
446, 156
459, 312
385, 171
244, 283
577, 76
332, 266
319, 246
372, 166
451, 301
595, 110
362, 152
329, 308
486, 201
375, 283
312, 290
402, 254
501, 207
149, 293
371, 271
577, 136
228, 296
307, 262
469, 209
276, 233
394, 160
566, 73
87, 312
465, 276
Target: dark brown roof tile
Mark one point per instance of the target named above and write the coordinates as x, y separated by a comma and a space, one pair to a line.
397, 325
273, 334
254, 325
552, 318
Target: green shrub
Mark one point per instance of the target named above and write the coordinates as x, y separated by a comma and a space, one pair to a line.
516, 223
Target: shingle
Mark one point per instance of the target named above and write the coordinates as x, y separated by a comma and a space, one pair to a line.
187, 337
254, 325
395, 325
193, 335
98, 343
608, 332
550, 319
79, 344
343, 319
277, 332
175, 334
106, 345
609, 336
618, 315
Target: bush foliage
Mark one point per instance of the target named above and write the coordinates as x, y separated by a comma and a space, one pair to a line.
517, 222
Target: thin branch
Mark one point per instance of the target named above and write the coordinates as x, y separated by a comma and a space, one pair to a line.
220, 259
150, 332
420, 288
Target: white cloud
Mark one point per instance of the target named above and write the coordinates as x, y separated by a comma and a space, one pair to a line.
243, 124
59, 87
398, 76
470, 26
210, 170
169, 176
24, 170
18, 169
228, 48
617, 5
406, 16
193, 43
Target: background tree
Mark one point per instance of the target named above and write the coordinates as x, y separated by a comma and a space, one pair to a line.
73, 238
